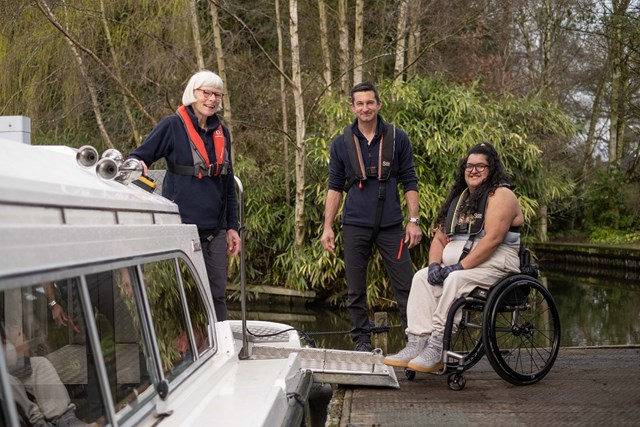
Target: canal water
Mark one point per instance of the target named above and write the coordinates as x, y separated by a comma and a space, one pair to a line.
594, 311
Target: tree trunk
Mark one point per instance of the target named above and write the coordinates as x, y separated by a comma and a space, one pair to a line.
222, 72
596, 111
195, 30
547, 46
300, 123
117, 71
324, 45
401, 30
619, 94
283, 103
542, 223
358, 43
343, 31
413, 47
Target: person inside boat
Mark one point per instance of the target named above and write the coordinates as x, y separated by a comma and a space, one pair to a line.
368, 161
40, 395
199, 179
476, 242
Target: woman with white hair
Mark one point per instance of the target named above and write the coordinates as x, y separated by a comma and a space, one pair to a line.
199, 179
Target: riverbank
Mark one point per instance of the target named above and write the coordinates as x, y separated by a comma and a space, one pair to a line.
621, 262
587, 386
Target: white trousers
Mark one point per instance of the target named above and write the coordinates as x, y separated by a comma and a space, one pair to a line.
428, 305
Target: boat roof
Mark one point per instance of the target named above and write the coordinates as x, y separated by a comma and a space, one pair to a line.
50, 176
55, 214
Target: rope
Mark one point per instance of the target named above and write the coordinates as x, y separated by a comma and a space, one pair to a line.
374, 330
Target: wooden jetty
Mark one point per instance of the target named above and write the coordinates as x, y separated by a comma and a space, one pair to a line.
586, 387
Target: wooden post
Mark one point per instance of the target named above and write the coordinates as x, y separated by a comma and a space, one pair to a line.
381, 340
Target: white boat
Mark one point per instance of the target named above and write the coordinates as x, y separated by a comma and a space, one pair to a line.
132, 337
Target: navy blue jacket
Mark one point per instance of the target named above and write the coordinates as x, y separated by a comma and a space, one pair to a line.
200, 200
360, 203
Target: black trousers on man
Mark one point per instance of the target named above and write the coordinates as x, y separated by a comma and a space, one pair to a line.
357, 253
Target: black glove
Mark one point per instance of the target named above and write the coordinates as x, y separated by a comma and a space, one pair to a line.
435, 274
449, 269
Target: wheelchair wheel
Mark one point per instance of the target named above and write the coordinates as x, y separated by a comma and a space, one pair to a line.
456, 382
467, 340
410, 374
521, 330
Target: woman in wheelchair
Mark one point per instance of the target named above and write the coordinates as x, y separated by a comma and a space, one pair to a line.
476, 242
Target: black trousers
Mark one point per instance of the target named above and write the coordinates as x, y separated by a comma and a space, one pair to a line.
357, 253
215, 259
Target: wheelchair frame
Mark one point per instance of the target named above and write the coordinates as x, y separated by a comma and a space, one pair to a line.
515, 323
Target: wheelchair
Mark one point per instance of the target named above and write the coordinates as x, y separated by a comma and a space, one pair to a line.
515, 323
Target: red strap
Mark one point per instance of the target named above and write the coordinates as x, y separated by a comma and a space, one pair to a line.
193, 134
218, 144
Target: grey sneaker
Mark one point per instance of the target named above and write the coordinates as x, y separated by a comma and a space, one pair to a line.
430, 359
364, 346
416, 344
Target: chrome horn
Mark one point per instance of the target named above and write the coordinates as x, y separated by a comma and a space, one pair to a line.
112, 166
87, 156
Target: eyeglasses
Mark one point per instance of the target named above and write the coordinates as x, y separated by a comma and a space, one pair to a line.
480, 167
208, 94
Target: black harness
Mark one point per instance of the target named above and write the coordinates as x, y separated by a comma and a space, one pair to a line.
382, 171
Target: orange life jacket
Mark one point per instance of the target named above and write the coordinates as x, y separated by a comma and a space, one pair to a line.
201, 164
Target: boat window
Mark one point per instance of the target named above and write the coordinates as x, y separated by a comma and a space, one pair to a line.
53, 369
197, 311
46, 352
164, 293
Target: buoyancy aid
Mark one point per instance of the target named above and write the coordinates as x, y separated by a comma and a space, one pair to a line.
201, 164
385, 158
382, 171
470, 226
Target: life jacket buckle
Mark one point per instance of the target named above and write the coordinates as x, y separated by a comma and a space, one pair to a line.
216, 169
212, 170
371, 171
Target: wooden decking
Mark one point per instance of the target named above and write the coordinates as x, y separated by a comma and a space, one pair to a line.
586, 387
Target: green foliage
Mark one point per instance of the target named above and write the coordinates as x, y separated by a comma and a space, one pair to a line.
613, 236
607, 207
442, 120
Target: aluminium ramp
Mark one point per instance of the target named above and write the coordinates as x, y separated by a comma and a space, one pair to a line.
336, 366
269, 340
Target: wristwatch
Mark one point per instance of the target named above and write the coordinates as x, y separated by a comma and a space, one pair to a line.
414, 220
52, 304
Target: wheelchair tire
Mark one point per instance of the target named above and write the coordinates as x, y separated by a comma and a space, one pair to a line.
521, 330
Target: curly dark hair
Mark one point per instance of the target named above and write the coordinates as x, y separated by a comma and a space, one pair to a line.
497, 178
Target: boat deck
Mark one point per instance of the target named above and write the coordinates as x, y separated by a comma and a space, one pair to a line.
594, 386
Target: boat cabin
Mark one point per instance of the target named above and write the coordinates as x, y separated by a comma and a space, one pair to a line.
105, 312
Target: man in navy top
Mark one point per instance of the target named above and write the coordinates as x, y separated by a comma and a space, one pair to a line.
369, 174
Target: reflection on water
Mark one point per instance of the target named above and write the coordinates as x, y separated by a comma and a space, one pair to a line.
594, 311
